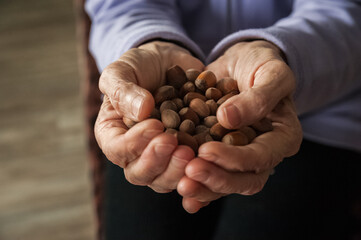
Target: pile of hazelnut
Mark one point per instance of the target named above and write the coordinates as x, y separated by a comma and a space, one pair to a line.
187, 106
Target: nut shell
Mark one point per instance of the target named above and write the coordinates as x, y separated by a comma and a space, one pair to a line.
210, 121
235, 138
192, 95
213, 93
192, 74
170, 119
217, 131
203, 138
186, 139
176, 77
212, 106
187, 126
164, 93
187, 113
200, 107
168, 104
205, 80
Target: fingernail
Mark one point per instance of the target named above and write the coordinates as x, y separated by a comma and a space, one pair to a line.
137, 105
232, 114
163, 150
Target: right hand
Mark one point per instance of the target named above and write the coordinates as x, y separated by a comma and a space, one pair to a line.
148, 156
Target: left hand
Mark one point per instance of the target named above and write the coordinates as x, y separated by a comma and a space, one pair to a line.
266, 85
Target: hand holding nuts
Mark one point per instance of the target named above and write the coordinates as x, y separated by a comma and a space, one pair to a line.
187, 106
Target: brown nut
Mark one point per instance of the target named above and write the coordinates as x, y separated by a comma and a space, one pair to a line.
186, 139
212, 106
200, 107
192, 74
128, 122
227, 85
201, 128
226, 97
235, 138
187, 126
164, 93
168, 104
176, 77
187, 113
263, 125
249, 132
192, 95
170, 118
186, 88
210, 121
171, 131
213, 93
178, 102
205, 80
203, 138
217, 131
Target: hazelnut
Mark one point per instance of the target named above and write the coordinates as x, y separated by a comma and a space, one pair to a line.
205, 80
235, 138
168, 104
164, 93
213, 93
187, 126
200, 107
210, 121
203, 138
217, 131
186, 139
192, 74
170, 118
176, 77
192, 95
187, 113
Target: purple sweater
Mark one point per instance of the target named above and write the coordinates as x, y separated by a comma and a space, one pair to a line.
321, 39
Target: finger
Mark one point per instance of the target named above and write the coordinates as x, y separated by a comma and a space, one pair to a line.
120, 83
219, 67
173, 54
272, 82
265, 151
219, 180
169, 179
192, 189
153, 161
119, 144
192, 205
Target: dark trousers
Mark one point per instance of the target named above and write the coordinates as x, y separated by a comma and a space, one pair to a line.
314, 195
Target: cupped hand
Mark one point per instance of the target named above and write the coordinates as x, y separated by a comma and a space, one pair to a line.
266, 85
148, 155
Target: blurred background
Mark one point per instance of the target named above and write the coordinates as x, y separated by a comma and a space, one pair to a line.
45, 184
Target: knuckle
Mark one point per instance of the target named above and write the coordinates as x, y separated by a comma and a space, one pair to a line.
253, 188
134, 178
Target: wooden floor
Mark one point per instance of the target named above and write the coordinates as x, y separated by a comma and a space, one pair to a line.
44, 177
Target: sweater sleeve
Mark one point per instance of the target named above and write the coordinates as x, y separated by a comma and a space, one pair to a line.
118, 25
322, 43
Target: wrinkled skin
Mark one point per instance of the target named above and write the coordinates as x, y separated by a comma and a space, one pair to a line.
153, 158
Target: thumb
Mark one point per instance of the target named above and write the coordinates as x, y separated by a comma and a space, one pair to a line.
119, 83
272, 82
